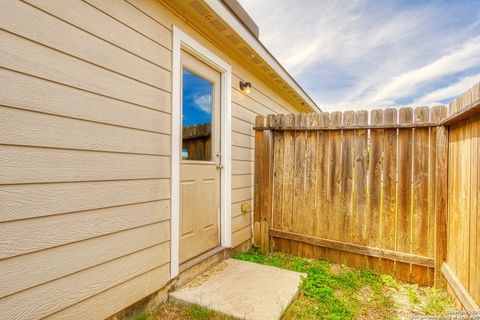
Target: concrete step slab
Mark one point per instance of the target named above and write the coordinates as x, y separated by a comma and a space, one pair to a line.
243, 290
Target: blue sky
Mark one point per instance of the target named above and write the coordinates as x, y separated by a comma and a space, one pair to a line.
196, 99
369, 54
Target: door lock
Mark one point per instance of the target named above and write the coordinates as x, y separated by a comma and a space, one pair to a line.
219, 166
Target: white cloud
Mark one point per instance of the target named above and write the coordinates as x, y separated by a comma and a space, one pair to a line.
366, 54
449, 92
203, 103
468, 56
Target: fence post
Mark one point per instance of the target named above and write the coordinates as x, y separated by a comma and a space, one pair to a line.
263, 183
441, 194
257, 199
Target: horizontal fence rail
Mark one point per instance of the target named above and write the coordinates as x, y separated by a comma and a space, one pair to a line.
367, 190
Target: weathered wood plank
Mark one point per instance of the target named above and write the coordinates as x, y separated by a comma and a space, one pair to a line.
321, 213
346, 182
375, 186
440, 194
354, 248
389, 201
278, 166
360, 184
333, 187
311, 180
420, 213
289, 174
258, 177
299, 208
460, 291
402, 270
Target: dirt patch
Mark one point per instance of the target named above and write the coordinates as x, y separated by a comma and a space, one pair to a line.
365, 294
337, 269
206, 275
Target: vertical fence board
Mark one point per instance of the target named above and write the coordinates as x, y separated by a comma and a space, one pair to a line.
402, 270
464, 217
389, 207
474, 281
259, 155
440, 193
374, 187
311, 180
360, 184
323, 160
419, 216
346, 182
299, 182
278, 165
333, 188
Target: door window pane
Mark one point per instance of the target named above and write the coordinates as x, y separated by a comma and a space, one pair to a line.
197, 109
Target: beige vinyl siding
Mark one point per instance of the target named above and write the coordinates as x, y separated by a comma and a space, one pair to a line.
85, 103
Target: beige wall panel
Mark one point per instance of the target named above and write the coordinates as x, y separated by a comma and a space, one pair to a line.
107, 28
242, 181
28, 128
250, 104
262, 95
243, 140
43, 300
34, 165
241, 236
237, 208
241, 221
30, 93
135, 19
36, 200
25, 236
26, 271
244, 114
242, 167
100, 306
29, 22
242, 194
241, 153
242, 126
29, 57
117, 83
155, 10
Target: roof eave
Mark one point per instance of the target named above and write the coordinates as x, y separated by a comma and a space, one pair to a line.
260, 49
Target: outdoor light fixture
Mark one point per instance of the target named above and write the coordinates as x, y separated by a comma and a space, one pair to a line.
245, 86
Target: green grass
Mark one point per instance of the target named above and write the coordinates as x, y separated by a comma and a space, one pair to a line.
437, 302
412, 295
326, 294
341, 293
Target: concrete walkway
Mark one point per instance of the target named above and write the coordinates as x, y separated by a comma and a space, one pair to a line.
243, 290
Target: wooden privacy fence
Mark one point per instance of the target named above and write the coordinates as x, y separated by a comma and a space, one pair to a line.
364, 190
197, 141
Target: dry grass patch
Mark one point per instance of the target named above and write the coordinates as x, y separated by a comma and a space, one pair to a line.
172, 311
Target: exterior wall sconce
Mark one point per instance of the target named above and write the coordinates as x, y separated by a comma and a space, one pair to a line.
245, 87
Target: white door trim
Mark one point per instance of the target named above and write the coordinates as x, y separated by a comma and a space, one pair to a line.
183, 41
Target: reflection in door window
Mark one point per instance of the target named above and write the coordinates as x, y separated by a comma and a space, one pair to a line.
196, 117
